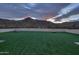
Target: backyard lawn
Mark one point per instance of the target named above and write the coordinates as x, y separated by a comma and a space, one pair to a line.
39, 43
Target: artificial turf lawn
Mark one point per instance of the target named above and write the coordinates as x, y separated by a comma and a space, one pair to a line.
39, 43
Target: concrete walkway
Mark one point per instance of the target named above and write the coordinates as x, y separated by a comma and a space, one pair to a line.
76, 31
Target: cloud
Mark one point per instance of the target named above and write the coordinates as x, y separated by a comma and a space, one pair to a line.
29, 5
71, 18
68, 19
32, 4
26, 6
67, 9
74, 17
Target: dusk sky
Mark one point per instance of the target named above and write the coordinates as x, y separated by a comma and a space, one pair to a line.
38, 10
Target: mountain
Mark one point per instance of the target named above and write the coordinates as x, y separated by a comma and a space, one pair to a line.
33, 23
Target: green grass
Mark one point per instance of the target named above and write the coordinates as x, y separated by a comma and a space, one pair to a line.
39, 43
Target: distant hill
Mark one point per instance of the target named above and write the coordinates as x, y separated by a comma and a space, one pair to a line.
31, 23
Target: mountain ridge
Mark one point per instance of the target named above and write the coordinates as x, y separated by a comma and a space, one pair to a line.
32, 23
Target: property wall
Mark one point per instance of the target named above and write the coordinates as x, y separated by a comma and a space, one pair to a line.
76, 31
